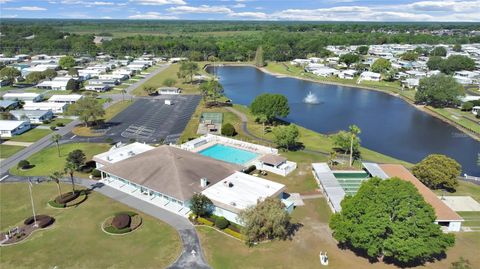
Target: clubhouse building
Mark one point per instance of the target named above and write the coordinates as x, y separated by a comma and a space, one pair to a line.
169, 176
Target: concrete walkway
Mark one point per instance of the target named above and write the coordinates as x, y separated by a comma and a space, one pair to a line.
192, 256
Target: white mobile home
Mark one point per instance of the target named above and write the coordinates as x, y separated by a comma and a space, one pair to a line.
65, 99
9, 128
23, 96
33, 116
56, 108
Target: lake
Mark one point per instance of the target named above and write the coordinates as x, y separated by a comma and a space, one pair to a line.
389, 124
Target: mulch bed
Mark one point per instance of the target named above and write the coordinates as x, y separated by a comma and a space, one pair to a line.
23, 232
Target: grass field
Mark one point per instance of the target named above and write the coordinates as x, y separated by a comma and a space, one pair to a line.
47, 160
8, 150
464, 188
76, 240
170, 72
460, 117
59, 120
31, 135
303, 250
116, 108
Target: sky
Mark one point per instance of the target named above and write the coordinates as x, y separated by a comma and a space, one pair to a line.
275, 10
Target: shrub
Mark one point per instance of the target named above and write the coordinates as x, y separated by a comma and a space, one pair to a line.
53, 128
96, 173
221, 223
234, 234
113, 230
60, 124
23, 164
228, 130
136, 222
121, 221
250, 169
467, 106
204, 221
54, 203
67, 197
46, 122
42, 220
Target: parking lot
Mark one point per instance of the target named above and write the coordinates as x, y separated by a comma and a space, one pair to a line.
150, 120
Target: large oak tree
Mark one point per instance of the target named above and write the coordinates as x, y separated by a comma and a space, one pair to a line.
390, 220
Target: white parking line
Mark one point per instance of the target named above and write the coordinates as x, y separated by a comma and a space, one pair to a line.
1, 179
73, 137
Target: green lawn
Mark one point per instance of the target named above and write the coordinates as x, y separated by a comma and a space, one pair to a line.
303, 250
464, 188
31, 136
76, 240
47, 160
116, 108
460, 117
8, 150
59, 120
170, 72
472, 219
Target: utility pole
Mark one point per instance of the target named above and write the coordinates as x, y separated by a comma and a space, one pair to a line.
33, 206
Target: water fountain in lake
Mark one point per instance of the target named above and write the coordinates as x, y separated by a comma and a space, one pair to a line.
311, 99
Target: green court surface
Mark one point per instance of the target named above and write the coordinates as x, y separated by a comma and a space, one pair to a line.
350, 182
212, 117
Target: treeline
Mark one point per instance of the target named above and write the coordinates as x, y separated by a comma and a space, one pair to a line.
175, 26
277, 45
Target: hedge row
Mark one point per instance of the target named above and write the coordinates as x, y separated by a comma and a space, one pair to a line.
234, 234
54, 203
130, 213
204, 221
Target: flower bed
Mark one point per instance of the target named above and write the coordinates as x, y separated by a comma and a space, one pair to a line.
122, 223
220, 224
18, 234
69, 199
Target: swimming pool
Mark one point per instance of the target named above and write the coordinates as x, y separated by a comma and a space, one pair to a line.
228, 154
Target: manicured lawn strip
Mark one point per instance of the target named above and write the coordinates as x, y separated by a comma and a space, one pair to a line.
302, 251
47, 161
472, 218
59, 120
31, 135
116, 108
77, 235
315, 141
8, 150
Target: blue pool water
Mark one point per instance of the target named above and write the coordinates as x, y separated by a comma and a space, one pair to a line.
228, 154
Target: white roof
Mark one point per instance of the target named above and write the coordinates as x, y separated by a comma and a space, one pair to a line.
9, 125
43, 105
370, 74
240, 190
21, 94
66, 98
119, 153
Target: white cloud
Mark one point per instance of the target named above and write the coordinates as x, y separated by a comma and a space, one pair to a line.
5, 1
107, 17
200, 9
26, 8
100, 3
239, 5
152, 16
9, 16
250, 15
159, 2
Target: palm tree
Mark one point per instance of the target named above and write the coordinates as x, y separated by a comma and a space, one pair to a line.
123, 91
56, 176
55, 139
354, 131
70, 169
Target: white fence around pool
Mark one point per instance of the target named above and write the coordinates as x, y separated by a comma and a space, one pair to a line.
210, 138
